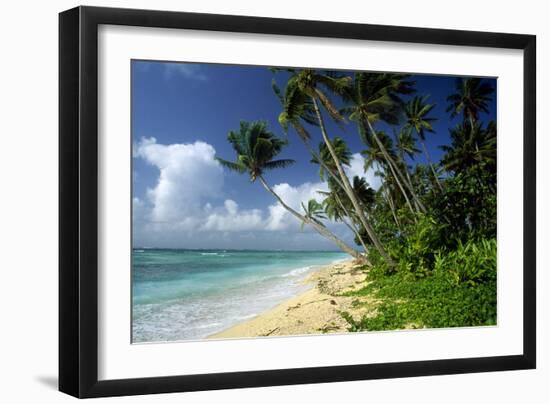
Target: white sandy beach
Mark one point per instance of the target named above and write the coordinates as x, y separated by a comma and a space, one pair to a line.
315, 311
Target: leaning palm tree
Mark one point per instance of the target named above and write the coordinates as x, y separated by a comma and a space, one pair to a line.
336, 210
298, 110
256, 149
375, 154
310, 85
472, 97
406, 145
417, 120
325, 160
376, 97
337, 196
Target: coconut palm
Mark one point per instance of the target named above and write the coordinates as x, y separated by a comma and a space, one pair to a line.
298, 109
313, 84
341, 150
256, 149
376, 97
406, 145
337, 196
470, 147
417, 120
314, 212
339, 208
375, 155
472, 97
364, 192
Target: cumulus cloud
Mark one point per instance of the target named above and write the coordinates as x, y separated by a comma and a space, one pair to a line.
185, 207
186, 70
232, 219
188, 175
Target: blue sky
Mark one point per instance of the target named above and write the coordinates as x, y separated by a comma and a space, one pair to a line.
181, 114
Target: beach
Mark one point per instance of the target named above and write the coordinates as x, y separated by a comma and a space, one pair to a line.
313, 311
191, 294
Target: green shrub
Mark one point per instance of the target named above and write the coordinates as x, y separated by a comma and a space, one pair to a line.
471, 263
459, 291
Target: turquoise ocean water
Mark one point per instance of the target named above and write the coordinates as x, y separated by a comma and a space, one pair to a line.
190, 294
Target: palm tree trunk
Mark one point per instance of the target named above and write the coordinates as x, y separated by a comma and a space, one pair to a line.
322, 164
430, 164
356, 232
471, 121
349, 191
335, 178
403, 192
352, 227
408, 177
392, 208
392, 163
322, 230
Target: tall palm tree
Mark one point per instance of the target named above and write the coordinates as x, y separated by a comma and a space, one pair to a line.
406, 145
337, 196
336, 211
297, 110
313, 84
472, 97
339, 208
376, 97
325, 160
256, 149
417, 119
375, 154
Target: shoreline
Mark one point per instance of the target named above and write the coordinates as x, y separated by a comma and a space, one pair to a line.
314, 311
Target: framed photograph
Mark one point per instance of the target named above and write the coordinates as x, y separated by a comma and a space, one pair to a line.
252, 202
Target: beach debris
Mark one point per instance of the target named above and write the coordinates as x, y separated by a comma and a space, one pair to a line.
270, 332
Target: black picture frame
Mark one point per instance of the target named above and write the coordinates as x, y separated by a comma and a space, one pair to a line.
78, 201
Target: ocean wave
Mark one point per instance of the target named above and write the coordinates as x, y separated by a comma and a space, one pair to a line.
296, 272
208, 325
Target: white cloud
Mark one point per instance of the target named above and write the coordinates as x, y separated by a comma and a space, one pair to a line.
356, 168
184, 208
231, 219
189, 71
279, 218
189, 175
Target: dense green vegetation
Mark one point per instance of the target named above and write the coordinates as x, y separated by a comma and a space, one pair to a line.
427, 235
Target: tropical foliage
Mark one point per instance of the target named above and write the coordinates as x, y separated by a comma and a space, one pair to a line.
427, 235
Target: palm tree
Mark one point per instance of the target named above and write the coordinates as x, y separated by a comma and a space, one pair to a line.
297, 110
376, 97
471, 147
417, 119
375, 154
406, 145
310, 83
338, 207
472, 97
341, 150
364, 192
385, 191
256, 149
337, 196
314, 212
